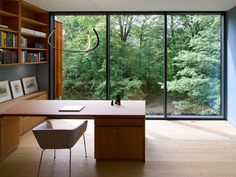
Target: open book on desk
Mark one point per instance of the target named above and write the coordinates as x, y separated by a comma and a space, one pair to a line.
71, 108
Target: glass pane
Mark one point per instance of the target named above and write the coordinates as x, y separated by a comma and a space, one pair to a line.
194, 65
137, 59
84, 73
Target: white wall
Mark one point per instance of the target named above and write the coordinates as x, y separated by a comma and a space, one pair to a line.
134, 5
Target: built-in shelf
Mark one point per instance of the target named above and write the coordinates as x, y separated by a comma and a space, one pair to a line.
27, 63
30, 63
8, 47
7, 14
34, 49
10, 64
26, 29
8, 30
34, 22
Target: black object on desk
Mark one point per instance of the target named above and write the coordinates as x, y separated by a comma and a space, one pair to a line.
117, 99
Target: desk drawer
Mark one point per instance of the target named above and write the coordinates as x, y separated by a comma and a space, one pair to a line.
119, 122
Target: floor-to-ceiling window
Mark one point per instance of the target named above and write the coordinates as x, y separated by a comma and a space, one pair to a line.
84, 73
137, 59
194, 83
173, 61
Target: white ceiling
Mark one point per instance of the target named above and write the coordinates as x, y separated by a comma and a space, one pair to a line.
134, 5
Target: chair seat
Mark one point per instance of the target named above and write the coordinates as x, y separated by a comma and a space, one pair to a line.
59, 133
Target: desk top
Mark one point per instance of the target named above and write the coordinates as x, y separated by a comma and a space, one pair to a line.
93, 108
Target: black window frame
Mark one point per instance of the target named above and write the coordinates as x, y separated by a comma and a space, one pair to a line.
165, 116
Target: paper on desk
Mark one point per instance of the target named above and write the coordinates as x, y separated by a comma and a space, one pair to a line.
71, 108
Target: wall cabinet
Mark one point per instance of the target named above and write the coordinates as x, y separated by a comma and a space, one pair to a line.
122, 139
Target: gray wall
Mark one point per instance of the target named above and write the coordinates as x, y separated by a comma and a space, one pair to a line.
16, 72
42, 72
231, 66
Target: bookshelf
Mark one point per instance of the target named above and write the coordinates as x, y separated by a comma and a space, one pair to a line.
9, 13
34, 29
28, 26
27, 29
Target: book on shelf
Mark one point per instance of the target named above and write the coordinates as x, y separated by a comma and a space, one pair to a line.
1, 56
39, 34
36, 45
3, 26
23, 42
40, 46
27, 31
3, 38
8, 39
33, 32
28, 57
8, 56
42, 56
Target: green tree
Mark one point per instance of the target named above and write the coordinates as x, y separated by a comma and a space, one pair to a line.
197, 70
83, 72
136, 55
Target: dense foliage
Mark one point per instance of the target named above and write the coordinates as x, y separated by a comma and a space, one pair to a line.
137, 61
194, 81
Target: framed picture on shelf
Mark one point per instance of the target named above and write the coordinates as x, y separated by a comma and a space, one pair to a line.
5, 93
16, 88
30, 84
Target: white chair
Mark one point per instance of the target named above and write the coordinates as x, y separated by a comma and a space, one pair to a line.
59, 134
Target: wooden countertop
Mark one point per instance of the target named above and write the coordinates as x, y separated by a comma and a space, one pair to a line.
93, 108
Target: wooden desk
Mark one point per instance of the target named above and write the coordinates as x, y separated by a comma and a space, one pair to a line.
119, 130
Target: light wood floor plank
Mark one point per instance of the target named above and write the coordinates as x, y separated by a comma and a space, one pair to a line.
173, 149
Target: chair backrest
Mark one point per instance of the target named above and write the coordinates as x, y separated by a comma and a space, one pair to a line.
50, 137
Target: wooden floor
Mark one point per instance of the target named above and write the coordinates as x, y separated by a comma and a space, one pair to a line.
173, 149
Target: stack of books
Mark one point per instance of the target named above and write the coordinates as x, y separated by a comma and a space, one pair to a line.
33, 32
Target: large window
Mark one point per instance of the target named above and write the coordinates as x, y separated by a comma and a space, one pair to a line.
84, 73
194, 64
172, 61
137, 59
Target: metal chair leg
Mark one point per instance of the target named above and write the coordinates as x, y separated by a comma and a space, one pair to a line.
40, 162
70, 164
85, 149
54, 153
